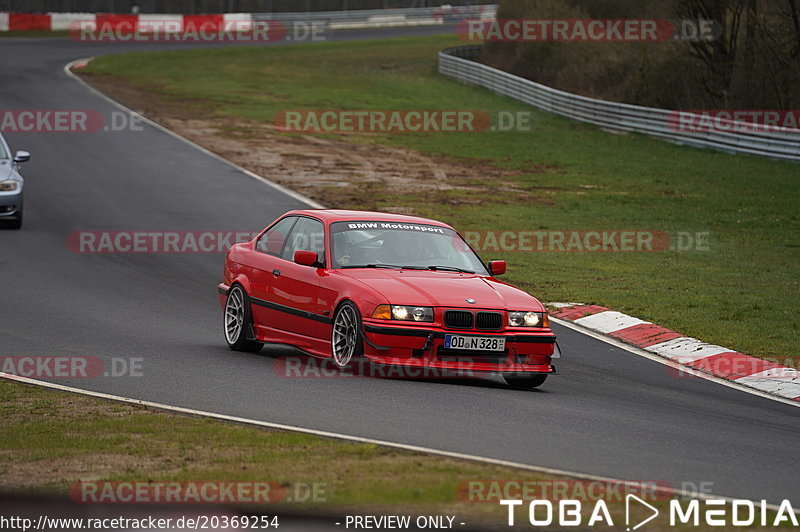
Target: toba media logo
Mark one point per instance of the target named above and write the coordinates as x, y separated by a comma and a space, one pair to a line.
707, 512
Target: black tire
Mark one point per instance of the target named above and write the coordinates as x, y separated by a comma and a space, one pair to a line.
237, 320
347, 342
525, 382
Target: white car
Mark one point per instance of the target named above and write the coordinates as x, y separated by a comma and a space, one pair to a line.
11, 186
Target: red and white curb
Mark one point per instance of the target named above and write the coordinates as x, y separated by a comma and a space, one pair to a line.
715, 360
69, 21
222, 21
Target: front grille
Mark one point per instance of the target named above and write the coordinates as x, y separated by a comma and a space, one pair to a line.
491, 321
458, 319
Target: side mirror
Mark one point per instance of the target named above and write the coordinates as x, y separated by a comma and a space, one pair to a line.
306, 258
497, 267
22, 157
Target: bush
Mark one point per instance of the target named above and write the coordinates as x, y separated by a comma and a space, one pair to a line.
754, 64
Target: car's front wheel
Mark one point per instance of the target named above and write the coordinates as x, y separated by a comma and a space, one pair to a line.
346, 340
237, 321
525, 382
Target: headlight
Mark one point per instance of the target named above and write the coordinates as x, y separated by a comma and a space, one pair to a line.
527, 319
403, 313
8, 186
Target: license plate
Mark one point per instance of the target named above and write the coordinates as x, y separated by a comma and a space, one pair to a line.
474, 343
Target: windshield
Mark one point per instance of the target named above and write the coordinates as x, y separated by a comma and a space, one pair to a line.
398, 245
3, 151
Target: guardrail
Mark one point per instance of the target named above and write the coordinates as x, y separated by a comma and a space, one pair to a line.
779, 143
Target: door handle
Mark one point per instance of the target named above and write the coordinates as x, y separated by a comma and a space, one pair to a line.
276, 273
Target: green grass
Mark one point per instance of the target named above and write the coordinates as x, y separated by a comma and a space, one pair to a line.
740, 294
51, 440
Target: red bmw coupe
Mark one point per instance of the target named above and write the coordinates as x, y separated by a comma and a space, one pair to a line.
398, 290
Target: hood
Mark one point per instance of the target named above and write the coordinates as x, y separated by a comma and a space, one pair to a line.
444, 289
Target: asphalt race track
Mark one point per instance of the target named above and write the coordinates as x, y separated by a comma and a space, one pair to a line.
609, 412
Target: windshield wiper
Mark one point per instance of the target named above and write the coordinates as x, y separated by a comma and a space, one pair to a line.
396, 267
449, 269
389, 266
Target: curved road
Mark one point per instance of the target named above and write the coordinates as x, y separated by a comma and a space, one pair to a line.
609, 413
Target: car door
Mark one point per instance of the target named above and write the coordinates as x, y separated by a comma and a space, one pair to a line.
294, 288
265, 258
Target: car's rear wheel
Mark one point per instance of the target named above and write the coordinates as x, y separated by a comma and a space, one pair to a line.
346, 340
525, 382
237, 321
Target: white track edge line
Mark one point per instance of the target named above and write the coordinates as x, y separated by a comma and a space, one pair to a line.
671, 363
360, 439
291, 193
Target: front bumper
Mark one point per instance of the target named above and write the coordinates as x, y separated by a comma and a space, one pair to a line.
525, 351
10, 203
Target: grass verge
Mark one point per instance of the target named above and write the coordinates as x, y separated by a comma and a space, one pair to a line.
52, 439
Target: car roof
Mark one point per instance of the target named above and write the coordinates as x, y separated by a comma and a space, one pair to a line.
341, 215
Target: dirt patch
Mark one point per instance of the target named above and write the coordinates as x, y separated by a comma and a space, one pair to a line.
51, 471
337, 172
